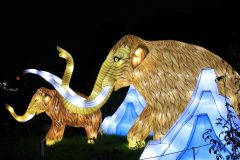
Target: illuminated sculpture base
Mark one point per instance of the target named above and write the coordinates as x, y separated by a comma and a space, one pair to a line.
163, 71
122, 120
201, 113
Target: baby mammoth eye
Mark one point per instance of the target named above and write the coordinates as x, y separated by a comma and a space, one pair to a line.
116, 59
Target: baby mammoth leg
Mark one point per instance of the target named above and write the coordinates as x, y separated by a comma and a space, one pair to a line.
52, 133
93, 125
96, 120
60, 133
140, 129
90, 133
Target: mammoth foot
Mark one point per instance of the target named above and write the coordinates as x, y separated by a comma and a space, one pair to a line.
91, 141
136, 144
50, 142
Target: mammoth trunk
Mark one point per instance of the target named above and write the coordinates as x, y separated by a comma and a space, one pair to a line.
27, 116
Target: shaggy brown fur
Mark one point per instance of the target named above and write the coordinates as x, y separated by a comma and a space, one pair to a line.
167, 77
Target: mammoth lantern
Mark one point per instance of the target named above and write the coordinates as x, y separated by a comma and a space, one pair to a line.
51, 102
164, 72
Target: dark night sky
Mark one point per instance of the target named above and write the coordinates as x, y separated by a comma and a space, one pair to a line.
89, 30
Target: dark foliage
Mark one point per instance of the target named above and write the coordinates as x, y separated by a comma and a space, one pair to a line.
230, 131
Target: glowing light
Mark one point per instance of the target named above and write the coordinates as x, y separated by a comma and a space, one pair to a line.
136, 60
17, 77
138, 52
91, 141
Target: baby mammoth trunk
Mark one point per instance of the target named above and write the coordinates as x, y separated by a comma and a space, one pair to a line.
27, 116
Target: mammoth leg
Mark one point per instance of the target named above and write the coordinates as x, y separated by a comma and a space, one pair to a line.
160, 130
140, 129
90, 133
92, 128
51, 137
60, 133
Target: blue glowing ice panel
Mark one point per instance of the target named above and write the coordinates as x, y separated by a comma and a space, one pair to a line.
125, 116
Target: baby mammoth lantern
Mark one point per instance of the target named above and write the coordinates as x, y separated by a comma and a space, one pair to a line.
164, 72
51, 102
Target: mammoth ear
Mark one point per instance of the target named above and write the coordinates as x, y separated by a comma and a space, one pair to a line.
47, 98
139, 54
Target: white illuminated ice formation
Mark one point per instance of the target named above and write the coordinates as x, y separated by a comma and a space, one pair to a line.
122, 120
184, 139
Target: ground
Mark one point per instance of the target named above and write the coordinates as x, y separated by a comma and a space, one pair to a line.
23, 142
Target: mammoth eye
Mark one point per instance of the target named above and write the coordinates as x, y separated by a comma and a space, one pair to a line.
116, 59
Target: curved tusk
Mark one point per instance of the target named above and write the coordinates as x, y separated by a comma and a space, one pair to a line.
53, 80
69, 67
68, 93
